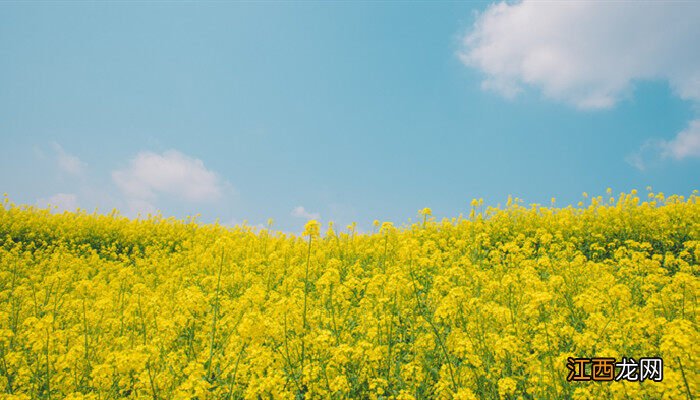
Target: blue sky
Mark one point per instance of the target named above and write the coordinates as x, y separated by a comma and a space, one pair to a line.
345, 112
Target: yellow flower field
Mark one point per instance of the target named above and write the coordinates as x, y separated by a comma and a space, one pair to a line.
488, 305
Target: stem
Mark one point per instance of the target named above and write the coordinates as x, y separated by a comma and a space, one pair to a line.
386, 240
143, 321
288, 358
390, 343
86, 371
335, 325
216, 315
685, 382
422, 307
306, 295
235, 371
150, 380
48, 368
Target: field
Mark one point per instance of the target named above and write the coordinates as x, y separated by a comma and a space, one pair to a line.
486, 305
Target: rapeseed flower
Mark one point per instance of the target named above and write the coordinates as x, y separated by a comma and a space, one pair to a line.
101, 306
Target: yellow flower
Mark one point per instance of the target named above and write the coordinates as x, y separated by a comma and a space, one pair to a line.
101, 306
312, 228
506, 387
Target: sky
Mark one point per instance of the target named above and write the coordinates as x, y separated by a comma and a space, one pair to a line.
344, 111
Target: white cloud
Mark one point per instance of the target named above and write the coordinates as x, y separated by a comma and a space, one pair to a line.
648, 155
685, 144
588, 54
68, 162
172, 173
60, 201
301, 212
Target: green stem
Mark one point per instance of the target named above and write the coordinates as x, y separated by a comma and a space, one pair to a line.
306, 295
685, 382
423, 308
215, 317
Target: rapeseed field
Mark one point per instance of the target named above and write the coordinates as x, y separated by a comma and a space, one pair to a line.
487, 305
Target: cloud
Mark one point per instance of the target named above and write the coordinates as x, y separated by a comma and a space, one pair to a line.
648, 155
60, 201
300, 212
150, 175
685, 144
586, 53
68, 162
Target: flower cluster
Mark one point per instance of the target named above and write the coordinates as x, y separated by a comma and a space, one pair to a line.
491, 305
